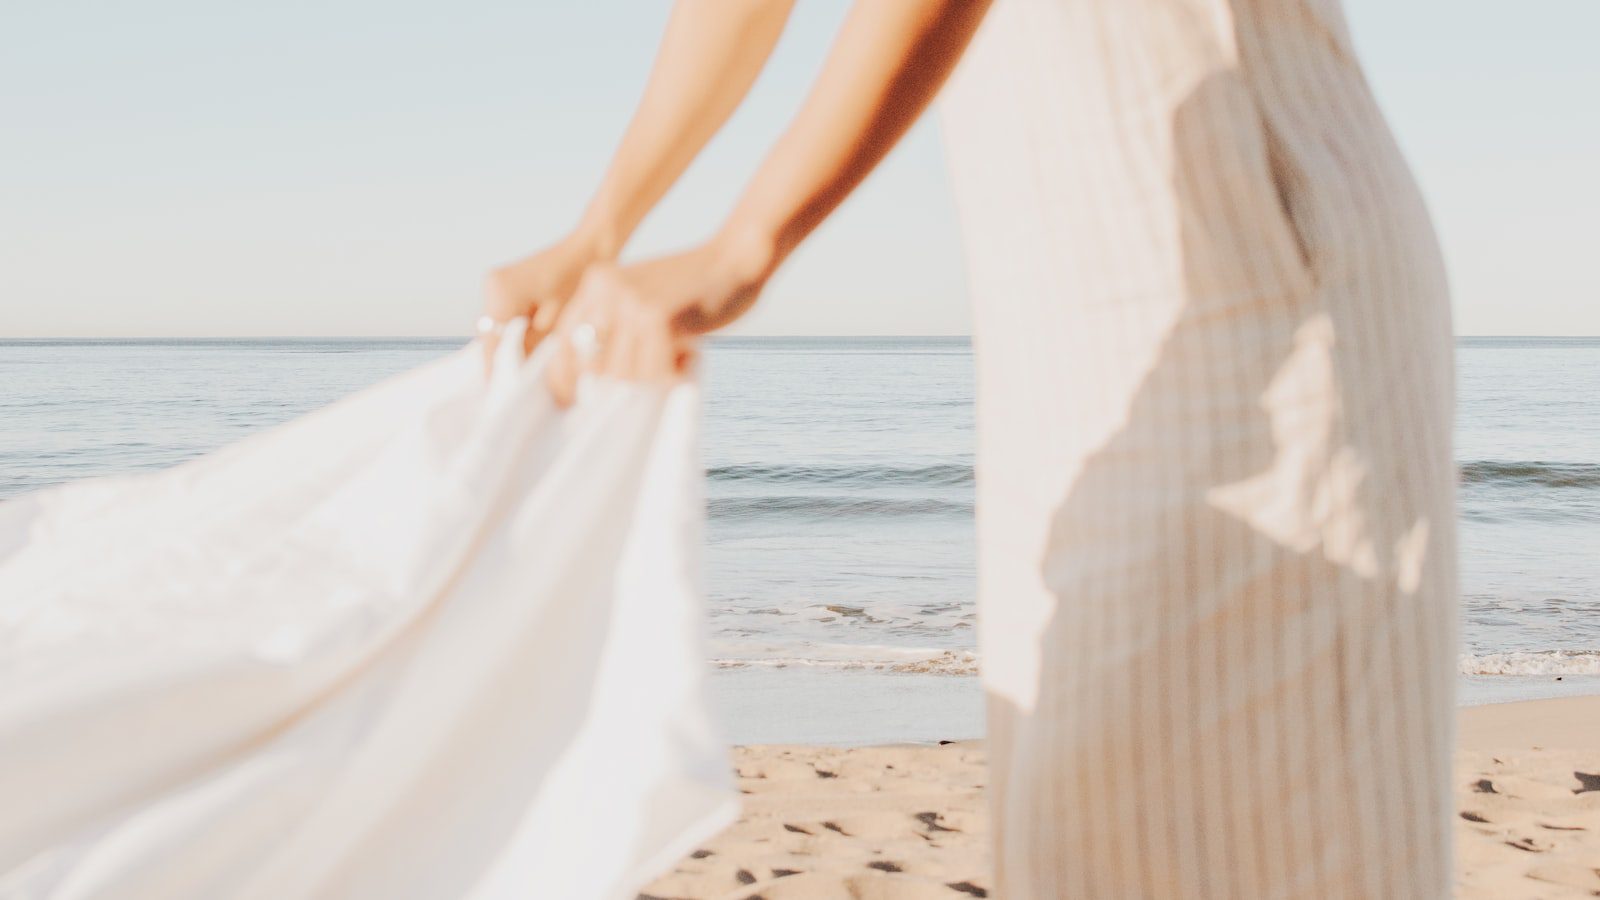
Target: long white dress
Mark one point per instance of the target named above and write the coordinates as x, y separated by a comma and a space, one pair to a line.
435, 640
1215, 487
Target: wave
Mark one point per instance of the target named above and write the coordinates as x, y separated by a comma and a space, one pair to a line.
945, 662
1483, 471
1532, 662
965, 662
746, 507
1486, 471
942, 474
1541, 474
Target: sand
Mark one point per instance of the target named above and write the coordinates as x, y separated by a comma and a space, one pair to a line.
1528, 798
889, 822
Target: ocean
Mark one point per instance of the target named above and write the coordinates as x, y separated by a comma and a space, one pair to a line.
840, 492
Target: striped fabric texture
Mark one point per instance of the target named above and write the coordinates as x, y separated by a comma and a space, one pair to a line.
1216, 493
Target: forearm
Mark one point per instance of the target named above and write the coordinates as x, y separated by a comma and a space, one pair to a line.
890, 60
710, 56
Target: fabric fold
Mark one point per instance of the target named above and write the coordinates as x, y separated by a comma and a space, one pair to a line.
439, 639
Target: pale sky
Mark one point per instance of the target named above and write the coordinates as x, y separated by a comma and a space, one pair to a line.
352, 167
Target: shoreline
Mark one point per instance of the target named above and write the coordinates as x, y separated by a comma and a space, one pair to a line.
907, 820
833, 707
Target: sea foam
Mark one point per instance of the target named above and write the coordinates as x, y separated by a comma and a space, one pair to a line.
1532, 662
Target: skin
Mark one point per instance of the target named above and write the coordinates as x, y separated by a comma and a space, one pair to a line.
888, 62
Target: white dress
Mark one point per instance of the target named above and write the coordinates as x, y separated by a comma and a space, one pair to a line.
435, 640
1215, 486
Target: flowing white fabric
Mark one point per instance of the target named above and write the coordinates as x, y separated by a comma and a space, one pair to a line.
437, 640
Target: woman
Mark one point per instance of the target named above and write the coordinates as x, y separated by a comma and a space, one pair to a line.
1214, 366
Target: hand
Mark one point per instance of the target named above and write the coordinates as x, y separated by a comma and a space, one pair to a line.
536, 287
641, 322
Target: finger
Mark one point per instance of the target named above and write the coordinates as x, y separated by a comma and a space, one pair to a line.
614, 344
496, 308
686, 360
591, 304
561, 378
542, 322
658, 359
595, 359
645, 354
531, 337
597, 333
660, 363
544, 317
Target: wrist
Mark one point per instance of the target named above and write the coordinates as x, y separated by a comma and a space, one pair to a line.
746, 252
730, 271
598, 236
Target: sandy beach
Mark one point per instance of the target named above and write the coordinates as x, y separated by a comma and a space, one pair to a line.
908, 821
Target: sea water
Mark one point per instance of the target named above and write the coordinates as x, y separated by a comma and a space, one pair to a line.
840, 493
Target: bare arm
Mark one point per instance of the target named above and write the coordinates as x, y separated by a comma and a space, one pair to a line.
710, 55
891, 58
889, 61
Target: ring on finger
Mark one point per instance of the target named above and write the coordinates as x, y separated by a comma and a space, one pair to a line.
488, 325
586, 340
